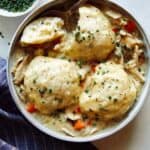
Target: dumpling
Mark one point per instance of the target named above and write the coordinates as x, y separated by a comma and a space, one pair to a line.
93, 37
42, 30
109, 92
51, 83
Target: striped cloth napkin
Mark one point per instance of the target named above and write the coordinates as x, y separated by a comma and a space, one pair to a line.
17, 134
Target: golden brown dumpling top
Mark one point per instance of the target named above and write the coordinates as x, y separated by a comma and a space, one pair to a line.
51, 83
109, 92
93, 37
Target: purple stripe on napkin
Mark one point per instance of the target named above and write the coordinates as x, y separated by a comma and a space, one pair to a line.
5, 146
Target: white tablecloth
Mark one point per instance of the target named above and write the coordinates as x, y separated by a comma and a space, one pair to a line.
136, 136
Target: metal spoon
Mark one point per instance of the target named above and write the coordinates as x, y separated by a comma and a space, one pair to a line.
70, 16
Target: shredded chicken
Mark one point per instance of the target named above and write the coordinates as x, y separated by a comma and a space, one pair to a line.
20, 68
132, 66
130, 42
73, 116
21, 93
113, 14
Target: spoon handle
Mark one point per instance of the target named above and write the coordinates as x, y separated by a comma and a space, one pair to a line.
56, 13
78, 4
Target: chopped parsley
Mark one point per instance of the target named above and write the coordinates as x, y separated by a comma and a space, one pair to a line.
139, 69
104, 72
103, 83
78, 36
80, 77
116, 87
50, 91
86, 91
109, 97
95, 83
113, 42
80, 63
20, 90
42, 90
94, 124
16, 5
98, 72
63, 57
34, 81
117, 44
43, 102
81, 36
78, 27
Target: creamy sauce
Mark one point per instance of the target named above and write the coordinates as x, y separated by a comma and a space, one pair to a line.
108, 84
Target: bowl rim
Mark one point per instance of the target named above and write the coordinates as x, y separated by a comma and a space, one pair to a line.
6, 13
37, 124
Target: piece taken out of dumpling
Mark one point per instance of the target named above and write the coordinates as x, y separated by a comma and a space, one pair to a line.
93, 37
45, 29
109, 92
51, 83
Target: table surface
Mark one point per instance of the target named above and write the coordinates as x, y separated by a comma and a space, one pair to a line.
137, 134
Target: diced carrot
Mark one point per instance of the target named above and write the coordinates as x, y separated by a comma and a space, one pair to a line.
30, 107
130, 26
79, 124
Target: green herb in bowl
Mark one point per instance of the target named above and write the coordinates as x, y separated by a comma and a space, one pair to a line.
16, 5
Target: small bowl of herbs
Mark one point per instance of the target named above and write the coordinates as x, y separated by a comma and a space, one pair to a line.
15, 8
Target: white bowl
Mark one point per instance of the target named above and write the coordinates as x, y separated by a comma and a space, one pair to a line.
99, 135
6, 13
